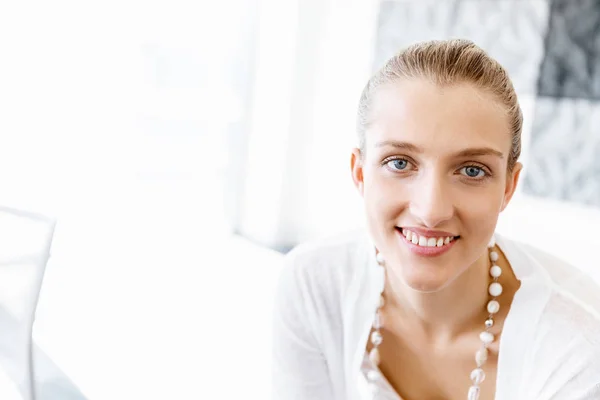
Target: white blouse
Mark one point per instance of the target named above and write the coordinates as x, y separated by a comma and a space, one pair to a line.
327, 297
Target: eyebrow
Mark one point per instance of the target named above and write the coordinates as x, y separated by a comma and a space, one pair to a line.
399, 145
472, 152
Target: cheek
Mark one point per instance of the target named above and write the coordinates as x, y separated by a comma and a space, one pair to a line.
481, 209
383, 199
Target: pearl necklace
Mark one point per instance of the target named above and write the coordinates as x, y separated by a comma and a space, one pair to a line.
486, 337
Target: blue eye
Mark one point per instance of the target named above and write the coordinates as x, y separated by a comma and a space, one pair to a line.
473, 172
398, 164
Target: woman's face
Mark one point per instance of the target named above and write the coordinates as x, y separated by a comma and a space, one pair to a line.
434, 178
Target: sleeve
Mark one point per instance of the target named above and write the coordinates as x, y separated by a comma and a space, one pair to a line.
299, 366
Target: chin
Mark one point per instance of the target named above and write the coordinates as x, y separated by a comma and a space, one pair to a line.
425, 278
426, 285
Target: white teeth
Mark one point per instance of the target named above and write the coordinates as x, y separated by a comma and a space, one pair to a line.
425, 241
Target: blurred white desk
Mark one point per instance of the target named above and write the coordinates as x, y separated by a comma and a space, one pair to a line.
170, 319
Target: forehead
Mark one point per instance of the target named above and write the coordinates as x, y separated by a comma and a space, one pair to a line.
445, 118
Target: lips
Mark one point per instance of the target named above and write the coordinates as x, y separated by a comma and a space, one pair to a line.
425, 242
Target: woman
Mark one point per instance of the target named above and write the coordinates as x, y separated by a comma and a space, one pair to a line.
429, 303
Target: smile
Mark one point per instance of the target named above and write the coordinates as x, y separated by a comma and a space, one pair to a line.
433, 244
425, 241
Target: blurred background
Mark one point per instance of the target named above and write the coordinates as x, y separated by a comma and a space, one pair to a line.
184, 146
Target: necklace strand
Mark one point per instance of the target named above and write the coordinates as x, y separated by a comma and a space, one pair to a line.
486, 337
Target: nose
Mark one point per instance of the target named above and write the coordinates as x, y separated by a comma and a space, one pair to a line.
431, 202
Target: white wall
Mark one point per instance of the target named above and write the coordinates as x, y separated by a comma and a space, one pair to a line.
313, 62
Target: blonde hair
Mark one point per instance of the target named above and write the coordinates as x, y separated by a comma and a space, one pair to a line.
447, 62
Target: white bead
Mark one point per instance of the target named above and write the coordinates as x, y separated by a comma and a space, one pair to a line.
481, 356
489, 323
473, 393
477, 376
495, 271
376, 338
492, 242
374, 356
380, 259
373, 375
493, 307
494, 256
495, 289
486, 337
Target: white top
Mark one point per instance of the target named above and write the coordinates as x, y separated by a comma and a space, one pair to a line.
327, 297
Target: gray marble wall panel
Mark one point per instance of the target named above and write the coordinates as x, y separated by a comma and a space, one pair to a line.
564, 160
512, 31
571, 66
565, 151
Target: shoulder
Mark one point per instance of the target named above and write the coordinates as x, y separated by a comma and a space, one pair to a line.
572, 318
566, 343
567, 348
327, 264
571, 288
315, 279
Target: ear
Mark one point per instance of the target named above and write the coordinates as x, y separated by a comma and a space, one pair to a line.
512, 180
356, 165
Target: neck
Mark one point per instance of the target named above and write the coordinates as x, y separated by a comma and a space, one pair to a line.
447, 313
